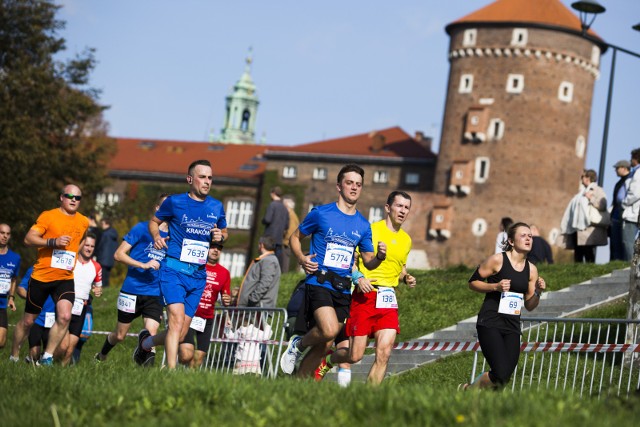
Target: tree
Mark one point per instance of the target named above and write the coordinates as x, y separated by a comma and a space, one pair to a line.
51, 126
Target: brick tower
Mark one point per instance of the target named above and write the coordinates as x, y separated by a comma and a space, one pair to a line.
515, 127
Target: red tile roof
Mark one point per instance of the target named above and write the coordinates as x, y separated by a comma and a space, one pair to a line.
542, 12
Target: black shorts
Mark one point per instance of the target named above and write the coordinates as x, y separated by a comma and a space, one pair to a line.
204, 337
77, 322
4, 322
146, 306
39, 291
38, 336
318, 296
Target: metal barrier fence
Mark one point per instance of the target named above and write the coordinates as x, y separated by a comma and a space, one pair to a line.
589, 355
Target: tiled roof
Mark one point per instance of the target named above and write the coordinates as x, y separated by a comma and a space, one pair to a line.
173, 157
391, 142
541, 12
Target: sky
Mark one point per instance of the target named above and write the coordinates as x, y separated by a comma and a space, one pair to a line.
322, 69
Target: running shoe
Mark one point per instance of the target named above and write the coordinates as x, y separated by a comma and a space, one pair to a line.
150, 360
14, 359
46, 361
140, 355
99, 358
291, 357
324, 367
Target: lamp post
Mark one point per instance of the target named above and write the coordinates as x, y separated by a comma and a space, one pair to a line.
586, 9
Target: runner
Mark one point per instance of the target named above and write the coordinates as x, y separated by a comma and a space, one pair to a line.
218, 283
140, 293
194, 220
336, 230
9, 268
58, 234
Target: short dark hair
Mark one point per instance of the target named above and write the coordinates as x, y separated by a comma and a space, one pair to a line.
277, 191
591, 174
506, 222
201, 162
160, 197
351, 167
635, 154
92, 235
393, 194
268, 242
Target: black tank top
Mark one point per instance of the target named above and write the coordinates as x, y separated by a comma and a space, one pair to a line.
488, 315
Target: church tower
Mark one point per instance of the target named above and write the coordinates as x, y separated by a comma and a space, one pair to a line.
515, 127
242, 106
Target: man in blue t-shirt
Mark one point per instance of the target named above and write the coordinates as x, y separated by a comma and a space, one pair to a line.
140, 293
9, 267
194, 219
336, 229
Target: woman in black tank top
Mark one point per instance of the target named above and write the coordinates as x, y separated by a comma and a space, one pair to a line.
509, 282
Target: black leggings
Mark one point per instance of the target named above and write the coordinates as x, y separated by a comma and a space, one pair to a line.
501, 349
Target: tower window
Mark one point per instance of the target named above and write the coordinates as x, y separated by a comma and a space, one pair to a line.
289, 172
595, 55
246, 115
479, 227
466, 83
581, 145
515, 83
565, 92
380, 177
482, 170
469, 37
519, 37
496, 129
320, 174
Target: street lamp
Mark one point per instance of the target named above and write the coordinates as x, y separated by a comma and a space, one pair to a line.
587, 8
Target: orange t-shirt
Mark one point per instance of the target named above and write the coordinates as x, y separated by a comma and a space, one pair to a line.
55, 223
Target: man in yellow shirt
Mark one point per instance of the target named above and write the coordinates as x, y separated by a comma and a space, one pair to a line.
374, 307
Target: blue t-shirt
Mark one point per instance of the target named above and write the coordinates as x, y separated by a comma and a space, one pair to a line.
9, 267
190, 219
138, 280
334, 237
48, 307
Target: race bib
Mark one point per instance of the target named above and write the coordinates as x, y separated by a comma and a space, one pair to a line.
49, 319
127, 303
194, 251
78, 306
198, 324
5, 285
386, 298
64, 260
511, 303
338, 256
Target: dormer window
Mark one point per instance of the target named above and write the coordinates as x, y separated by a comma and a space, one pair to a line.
475, 128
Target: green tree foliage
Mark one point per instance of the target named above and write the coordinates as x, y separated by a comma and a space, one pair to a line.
51, 126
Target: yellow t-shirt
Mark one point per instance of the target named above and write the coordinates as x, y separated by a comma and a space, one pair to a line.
54, 223
398, 248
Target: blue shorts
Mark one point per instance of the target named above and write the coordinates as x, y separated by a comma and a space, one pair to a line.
180, 288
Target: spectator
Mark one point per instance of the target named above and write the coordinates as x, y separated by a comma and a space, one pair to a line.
617, 251
262, 280
9, 267
276, 220
631, 205
106, 248
294, 222
501, 238
540, 249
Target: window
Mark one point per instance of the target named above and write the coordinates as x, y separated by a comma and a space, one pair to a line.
565, 92
375, 214
469, 37
496, 129
519, 37
239, 214
595, 55
235, 262
412, 178
479, 227
289, 172
581, 145
515, 83
482, 169
320, 174
380, 177
466, 83
107, 199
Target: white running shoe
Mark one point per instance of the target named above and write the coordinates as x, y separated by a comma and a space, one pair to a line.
290, 357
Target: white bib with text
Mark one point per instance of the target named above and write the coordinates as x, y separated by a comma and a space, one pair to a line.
338, 256
386, 298
49, 319
127, 303
64, 260
198, 324
78, 305
5, 285
511, 303
194, 251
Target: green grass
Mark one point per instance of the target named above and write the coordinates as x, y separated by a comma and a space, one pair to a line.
119, 393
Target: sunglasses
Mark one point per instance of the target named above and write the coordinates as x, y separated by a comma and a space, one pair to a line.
72, 197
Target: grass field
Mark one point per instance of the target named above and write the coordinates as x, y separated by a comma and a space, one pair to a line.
119, 393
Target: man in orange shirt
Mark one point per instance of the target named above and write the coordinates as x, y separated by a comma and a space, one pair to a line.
58, 234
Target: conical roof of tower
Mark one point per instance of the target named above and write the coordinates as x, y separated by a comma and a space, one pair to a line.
536, 13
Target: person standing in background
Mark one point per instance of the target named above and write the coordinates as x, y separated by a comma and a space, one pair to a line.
617, 251
294, 222
276, 221
106, 248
